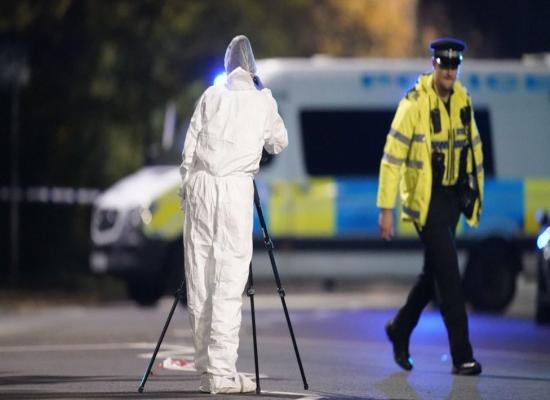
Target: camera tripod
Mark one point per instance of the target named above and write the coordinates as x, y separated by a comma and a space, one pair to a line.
250, 291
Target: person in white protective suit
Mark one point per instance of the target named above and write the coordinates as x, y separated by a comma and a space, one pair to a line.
230, 126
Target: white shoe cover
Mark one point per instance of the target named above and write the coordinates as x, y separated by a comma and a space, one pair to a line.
238, 383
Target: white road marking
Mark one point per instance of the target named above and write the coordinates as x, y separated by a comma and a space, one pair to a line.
171, 348
169, 351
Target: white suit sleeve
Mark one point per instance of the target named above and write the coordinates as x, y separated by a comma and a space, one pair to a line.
275, 134
188, 155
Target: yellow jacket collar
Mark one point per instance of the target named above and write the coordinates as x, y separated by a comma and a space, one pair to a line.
425, 84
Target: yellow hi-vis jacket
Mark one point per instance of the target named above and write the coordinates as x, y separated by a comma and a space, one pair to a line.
412, 139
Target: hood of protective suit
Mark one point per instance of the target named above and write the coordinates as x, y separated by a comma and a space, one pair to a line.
239, 54
239, 79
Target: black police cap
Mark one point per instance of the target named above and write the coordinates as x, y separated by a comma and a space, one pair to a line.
448, 51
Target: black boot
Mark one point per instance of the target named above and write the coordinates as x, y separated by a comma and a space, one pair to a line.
468, 368
400, 348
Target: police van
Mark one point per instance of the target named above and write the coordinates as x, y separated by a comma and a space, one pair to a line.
319, 195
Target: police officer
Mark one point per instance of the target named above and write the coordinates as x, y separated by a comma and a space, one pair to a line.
433, 141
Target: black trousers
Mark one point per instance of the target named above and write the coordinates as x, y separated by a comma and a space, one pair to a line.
440, 276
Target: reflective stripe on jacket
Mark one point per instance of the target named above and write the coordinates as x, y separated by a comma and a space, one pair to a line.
406, 162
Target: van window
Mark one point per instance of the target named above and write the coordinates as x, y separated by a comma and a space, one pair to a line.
483, 123
344, 142
351, 142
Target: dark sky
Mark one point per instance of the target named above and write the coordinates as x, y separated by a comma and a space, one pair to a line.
492, 28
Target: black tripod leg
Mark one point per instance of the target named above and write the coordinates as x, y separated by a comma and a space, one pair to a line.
269, 245
178, 295
281, 292
250, 293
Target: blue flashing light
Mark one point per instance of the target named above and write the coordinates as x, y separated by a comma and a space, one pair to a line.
543, 239
220, 79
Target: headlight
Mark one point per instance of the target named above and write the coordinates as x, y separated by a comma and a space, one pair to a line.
146, 216
140, 216
543, 239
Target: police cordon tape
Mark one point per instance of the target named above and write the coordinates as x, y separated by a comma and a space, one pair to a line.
55, 195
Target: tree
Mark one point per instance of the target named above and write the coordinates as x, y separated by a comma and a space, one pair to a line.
492, 28
103, 71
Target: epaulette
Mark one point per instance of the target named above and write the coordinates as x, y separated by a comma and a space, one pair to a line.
412, 94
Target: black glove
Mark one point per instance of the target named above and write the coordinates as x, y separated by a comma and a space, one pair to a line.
257, 82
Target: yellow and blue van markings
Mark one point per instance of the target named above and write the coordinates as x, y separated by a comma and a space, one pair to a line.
166, 217
303, 209
356, 207
536, 197
343, 208
503, 208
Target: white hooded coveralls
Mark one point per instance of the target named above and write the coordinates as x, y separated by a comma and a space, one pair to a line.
230, 126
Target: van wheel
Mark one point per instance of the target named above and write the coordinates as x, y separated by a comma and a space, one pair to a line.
144, 289
542, 315
490, 277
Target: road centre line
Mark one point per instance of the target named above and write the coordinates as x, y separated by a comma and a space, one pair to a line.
91, 347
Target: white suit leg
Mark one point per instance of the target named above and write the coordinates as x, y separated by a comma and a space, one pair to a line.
199, 270
232, 255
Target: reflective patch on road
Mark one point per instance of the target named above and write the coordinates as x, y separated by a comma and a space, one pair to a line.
314, 396
291, 395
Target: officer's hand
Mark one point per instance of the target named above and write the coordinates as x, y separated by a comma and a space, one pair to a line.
385, 223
